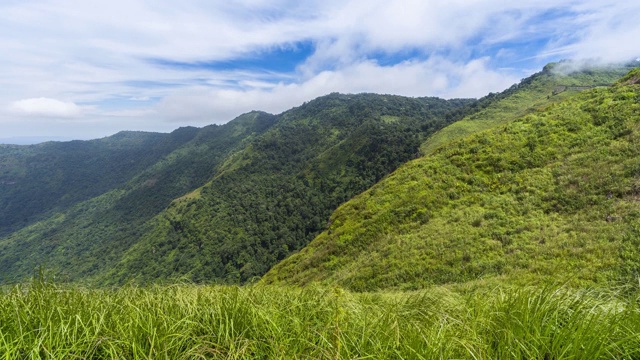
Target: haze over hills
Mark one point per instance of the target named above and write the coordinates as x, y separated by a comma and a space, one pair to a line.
226, 203
32, 140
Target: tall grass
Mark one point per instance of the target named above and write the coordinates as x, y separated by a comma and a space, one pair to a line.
46, 321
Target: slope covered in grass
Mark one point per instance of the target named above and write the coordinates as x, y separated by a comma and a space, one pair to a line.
553, 194
554, 83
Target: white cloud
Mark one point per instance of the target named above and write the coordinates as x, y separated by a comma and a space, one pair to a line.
45, 107
608, 33
434, 77
97, 52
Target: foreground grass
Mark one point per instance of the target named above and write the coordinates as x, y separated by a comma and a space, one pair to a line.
44, 321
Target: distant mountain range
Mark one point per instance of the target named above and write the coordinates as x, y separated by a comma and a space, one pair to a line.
32, 140
505, 186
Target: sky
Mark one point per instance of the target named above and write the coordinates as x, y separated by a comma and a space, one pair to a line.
88, 69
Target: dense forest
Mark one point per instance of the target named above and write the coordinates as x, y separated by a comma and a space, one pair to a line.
40, 179
90, 235
276, 195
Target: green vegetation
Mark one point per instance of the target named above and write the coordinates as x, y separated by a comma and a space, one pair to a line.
39, 180
553, 194
525, 199
276, 194
90, 236
271, 184
44, 321
516, 236
554, 83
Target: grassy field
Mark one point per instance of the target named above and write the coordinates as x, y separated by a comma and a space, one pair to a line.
46, 321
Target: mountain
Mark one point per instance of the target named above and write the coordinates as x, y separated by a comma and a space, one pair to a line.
41, 179
89, 236
32, 140
555, 82
276, 195
550, 191
229, 201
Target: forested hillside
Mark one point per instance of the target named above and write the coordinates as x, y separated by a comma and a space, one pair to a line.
91, 235
39, 179
271, 183
554, 194
226, 203
276, 194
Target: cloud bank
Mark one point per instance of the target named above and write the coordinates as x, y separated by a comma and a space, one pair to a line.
157, 65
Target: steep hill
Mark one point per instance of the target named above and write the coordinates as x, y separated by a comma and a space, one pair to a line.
552, 194
554, 83
276, 195
270, 184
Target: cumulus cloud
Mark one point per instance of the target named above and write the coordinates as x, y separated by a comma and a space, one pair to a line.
99, 52
45, 107
433, 77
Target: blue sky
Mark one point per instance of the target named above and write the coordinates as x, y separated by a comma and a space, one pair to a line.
87, 69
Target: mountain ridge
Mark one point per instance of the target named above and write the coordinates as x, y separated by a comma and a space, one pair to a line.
258, 150
234, 228
232, 200
52, 176
96, 230
550, 195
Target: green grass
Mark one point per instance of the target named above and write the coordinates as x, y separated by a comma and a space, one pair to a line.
45, 321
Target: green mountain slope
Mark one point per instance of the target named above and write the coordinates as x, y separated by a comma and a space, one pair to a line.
40, 179
554, 83
270, 184
553, 194
90, 237
276, 195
